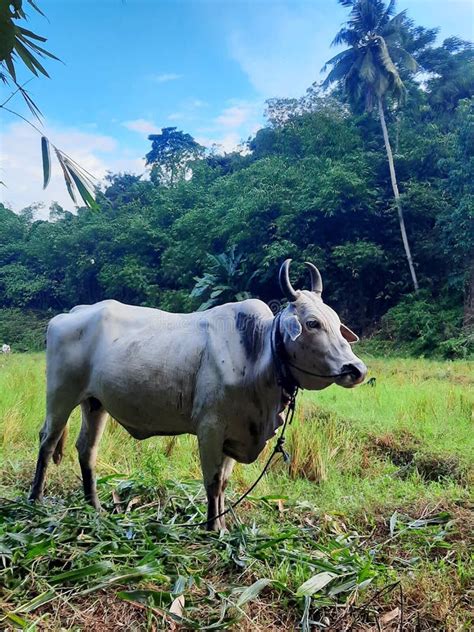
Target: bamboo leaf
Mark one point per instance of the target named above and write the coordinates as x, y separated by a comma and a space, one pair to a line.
19, 621
26, 56
37, 601
34, 109
67, 177
251, 592
81, 573
36, 7
393, 522
10, 67
315, 584
42, 51
82, 188
45, 153
31, 34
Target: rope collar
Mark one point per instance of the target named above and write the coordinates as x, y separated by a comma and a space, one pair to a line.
280, 360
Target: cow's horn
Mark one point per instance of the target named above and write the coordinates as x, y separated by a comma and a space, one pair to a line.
285, 284
316, 280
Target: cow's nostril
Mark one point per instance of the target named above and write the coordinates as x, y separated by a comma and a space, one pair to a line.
352, 370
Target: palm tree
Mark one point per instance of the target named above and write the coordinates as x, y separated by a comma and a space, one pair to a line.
368, 72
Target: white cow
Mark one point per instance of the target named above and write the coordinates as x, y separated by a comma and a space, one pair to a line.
224, 375
6, 348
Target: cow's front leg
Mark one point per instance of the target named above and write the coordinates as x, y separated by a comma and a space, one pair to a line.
215, 468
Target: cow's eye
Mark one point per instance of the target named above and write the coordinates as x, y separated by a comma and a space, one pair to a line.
313, 324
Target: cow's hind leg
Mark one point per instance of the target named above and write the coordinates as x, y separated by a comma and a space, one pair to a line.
50, 436
224, 474
94, 417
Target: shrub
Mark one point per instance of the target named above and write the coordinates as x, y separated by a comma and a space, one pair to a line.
23, 330
423, 325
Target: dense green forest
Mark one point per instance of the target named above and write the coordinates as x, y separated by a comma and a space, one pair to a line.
313, 184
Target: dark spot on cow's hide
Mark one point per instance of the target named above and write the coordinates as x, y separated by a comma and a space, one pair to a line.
253, 429
256, 400
80, 334
250, 328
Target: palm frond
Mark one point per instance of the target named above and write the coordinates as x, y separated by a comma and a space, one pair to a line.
366, 15
395, 27
403, 57
389, 12
337, 58
339, 71
345, 36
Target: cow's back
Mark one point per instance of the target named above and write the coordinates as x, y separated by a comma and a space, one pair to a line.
154, 371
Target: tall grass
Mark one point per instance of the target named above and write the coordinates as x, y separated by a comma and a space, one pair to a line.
377, 492
332, 440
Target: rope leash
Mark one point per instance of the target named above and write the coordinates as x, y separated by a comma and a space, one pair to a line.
290, 412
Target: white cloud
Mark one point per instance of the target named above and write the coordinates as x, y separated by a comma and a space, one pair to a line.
234, 116
165, 77
142, 126
197, 103
232, 126
21, 166
225, 143
188, 110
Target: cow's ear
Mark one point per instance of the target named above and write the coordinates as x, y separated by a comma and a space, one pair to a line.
292, 325
349, 335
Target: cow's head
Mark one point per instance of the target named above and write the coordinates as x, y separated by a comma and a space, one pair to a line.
316, 342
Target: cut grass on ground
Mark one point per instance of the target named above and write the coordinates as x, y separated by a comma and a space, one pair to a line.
369, 525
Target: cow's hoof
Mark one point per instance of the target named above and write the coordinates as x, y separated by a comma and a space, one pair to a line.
35, 498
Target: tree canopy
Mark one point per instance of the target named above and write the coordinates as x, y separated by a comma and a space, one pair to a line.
314, 185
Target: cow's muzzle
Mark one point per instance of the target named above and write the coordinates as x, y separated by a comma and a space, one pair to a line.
354, 374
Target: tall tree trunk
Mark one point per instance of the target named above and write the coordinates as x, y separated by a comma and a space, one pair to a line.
396, 194
469, 301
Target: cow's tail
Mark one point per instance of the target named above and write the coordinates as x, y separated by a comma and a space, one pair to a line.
59, 450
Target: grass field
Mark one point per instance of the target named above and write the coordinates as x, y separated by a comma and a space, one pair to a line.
368, 528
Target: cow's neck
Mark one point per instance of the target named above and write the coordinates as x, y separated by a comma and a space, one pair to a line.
273, 375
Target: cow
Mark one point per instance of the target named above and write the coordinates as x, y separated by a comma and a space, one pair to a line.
224, 375
6, 348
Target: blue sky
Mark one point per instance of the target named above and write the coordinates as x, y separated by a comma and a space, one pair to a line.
206, 66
